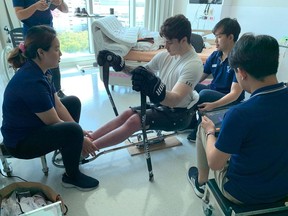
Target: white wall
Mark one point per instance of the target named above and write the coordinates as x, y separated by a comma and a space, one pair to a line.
283, 65
11, 22
263, 17
257, 16
179, 7
3, 21
195, 13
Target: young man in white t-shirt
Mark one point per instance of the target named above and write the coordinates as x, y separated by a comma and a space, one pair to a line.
171, 92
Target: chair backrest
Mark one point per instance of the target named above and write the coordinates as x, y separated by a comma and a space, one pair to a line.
197, 42
16, 36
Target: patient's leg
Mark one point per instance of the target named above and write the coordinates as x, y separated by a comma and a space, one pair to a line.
117, 130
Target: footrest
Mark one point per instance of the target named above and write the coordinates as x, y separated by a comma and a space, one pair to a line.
153, 141
58, 162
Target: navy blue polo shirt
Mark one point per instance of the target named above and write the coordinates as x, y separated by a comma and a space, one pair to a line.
29, 91
38, 18
255, 134
223, 74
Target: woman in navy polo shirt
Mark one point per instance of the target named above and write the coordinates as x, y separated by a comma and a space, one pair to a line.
35, 120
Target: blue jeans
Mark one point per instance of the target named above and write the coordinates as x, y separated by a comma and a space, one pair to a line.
208, 95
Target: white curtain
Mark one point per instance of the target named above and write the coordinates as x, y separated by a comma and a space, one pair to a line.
15, 22
8, 18
156, 12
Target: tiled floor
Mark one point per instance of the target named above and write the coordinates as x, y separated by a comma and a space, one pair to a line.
124, 186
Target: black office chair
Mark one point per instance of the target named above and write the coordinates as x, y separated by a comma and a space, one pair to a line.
16, 36
197, 42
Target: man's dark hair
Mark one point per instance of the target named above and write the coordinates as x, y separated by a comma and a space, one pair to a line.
176, 27
229, 26
257, 55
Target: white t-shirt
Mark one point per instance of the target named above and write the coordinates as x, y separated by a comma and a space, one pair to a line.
185, 69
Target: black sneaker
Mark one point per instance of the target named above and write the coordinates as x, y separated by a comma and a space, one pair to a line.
61, 94
77, 11
84, 12
81, 182
192, 136
193, 179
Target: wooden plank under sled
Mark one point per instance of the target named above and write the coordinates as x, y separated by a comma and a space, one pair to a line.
168, 142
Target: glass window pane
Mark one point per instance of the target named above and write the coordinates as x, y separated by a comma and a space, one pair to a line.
74, 32
70, 28
139, 14
121, 9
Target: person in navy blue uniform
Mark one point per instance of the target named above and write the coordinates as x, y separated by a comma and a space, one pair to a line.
224, 89
35, 120
38, 12
249, 157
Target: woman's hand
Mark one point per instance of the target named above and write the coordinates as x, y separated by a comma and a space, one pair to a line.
88, 148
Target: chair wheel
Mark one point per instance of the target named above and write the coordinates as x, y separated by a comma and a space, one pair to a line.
8, 172
7, 169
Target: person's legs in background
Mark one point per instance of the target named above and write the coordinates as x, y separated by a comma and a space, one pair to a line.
56, 76
199, 87
73, 105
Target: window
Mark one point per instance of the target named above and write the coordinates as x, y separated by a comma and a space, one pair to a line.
74, 32
130, 12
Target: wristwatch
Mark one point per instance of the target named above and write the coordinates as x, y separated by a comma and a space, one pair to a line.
210, 133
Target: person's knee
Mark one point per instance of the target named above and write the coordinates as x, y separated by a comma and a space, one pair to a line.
126, 114
71, 99
75, 100
73, 132
134, 122
207, 95
205, 92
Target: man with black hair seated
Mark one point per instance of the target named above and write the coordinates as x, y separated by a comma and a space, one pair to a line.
224, 89
179, 69
250, 155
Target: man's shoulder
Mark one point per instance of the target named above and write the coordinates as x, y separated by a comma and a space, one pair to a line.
215, 55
